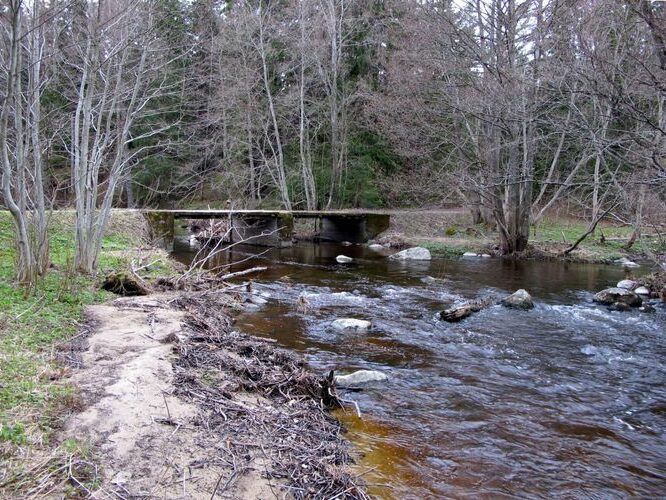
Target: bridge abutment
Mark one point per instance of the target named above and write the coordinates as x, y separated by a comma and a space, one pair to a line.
161, 228
263, 230
353, 228
271, 228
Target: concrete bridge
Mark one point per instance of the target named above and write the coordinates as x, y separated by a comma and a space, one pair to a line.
275, 227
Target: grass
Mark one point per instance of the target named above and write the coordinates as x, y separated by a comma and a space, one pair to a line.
452, 234
34, 399
450, 249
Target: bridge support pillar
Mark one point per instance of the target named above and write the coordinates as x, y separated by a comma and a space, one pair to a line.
161, 228
353, 228
264, 230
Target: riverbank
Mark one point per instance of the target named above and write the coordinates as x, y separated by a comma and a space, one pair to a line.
451, 233
154, 395
36, 396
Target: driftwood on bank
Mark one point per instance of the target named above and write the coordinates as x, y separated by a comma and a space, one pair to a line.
590, 229
263, 402
245, 272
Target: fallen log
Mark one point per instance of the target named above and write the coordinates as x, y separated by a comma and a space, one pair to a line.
458, 313
252, 270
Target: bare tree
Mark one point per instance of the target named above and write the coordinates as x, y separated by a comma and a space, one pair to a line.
119, 65
21, 136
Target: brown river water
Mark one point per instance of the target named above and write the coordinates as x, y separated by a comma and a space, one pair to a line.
567, 400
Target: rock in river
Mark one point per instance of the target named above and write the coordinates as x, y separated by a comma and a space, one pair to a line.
359, 378
415, 253
627, 284
376, 247
343, 259
619, 306
610, 296
519, 300
642, 290
257, 300
351, 324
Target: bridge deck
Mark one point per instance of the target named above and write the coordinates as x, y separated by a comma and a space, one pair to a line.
298, 214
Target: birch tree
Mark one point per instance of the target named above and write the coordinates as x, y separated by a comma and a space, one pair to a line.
23, 54
119, 64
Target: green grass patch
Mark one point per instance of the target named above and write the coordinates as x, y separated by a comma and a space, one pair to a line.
604, 245
449, 250
35, 322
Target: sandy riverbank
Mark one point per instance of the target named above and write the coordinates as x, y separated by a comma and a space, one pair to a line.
178, 405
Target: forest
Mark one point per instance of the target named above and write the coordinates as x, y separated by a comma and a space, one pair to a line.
438, 267
510, 108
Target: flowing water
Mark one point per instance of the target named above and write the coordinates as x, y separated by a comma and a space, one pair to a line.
565, 400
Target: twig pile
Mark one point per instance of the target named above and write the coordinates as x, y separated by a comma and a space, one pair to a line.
265, 406
60, 471
211, 229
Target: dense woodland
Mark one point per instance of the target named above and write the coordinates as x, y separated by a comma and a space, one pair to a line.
509, 107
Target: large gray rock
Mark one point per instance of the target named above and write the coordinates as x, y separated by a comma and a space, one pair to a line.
520, 299
351, 324
610, 296
619, 306
343, 259
360, 377
642, 290
376, 247
627, 284
415, 253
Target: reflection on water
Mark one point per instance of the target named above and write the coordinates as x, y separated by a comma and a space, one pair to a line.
565, 400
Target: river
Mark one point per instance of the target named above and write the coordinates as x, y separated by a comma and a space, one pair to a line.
566, 400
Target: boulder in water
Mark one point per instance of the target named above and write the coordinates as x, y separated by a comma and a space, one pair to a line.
360, 377
343, 259
610, 296
257, 300
351, 324
627, 284
346, 244
376, 247
519, 300
414, 253
642, 290
619, 306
